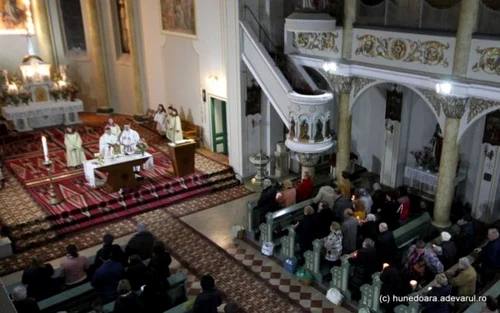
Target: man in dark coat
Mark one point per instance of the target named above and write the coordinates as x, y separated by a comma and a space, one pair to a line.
349, 232
106, 278
325, 219
364, 267
389, 211
386, 246
307, 229
38, 278
391, 286
447, 251
267, 201
489, 259
341, 203
115, 250
209, 299
137, 273
160, 262
141, 243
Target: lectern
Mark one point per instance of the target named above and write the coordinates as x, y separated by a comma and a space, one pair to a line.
182, 154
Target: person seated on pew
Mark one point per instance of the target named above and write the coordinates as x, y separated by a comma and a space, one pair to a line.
333, 245
74, 267
489, 259
464, 278
141, 243
442, 289
325, 219
209, 299
22, 303
106, 278
349, 232
115, 250
340, 205
369, 228
325, 194
127, 301
38, 278
305, 189
267, 201
386, 246
391, 286
421, 263
364, 266
160, 262
306, 229
155, 295
288, 196
137, 272
490, 306
447, 251
389, 211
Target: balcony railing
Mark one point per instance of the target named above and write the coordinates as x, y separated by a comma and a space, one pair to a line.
416, 14
332, 7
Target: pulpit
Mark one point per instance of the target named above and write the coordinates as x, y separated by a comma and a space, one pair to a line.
182, 154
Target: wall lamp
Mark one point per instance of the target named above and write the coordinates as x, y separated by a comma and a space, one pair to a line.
443, 88
330, 67
213, 80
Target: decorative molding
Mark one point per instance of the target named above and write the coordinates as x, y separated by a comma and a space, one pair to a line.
489, 61
301, 99
477, 106
453, 107
433, 98
308, 159
430, 52
342, 84
316, 41
359, 84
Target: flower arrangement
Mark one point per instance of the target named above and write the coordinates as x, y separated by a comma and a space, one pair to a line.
142, 146
25, 96
73, 90
55, 93
425, 158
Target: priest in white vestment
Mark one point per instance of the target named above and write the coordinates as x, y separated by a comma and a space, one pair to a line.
174, 127
115, 128
107, 141
129, 138
75, 156
159, 118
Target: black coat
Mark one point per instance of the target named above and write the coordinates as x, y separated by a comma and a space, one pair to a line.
267, 202
325, 219
116, 252
386, 248
207, 301
369, 230
138, 275
391, 281
390, 215
378, 198
365, 266
39, 281
307, 231
155, 297
27, 305
131, 303
159, 265
141, 244
449, 255
439, 306
339, 206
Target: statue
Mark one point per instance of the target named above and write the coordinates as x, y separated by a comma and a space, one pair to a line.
63, 72
437, 144
328, 132
319, 130
292, 128
304, 128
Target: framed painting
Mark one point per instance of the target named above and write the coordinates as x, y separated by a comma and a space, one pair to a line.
13, 17
178, 17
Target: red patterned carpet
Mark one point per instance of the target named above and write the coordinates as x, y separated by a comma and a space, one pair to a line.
82, 206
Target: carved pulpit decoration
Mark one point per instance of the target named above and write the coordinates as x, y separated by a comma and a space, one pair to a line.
491, 133
394, 105
254, 99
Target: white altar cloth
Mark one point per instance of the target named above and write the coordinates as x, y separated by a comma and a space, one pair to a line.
43, 114
425, 180
91, 165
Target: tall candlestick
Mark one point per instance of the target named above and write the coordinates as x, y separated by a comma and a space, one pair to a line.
45, 149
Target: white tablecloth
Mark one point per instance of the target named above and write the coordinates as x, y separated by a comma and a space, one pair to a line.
91, 165
37, 109
421, 179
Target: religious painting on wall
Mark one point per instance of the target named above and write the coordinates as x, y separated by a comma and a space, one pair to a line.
178, 17
254, 99
121, 11
394, 105
13, 17
492, 129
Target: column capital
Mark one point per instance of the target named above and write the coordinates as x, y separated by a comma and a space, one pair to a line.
453, 107
342, 84
308, 159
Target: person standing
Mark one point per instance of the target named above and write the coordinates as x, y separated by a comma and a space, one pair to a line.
129, 138
464, 279
115, 128
75, 155
159, 118
106, 278
349, 232
345, 185
489, 259
107, 141
174, 126
209, 299
305, 188
333, 245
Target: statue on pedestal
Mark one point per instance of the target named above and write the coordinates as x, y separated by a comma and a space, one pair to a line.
304, 129
292, 128
319, 131
437, 144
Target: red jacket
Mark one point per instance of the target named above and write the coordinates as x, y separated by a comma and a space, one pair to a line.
304, 190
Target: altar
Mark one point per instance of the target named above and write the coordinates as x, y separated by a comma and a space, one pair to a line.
425, 181
43, 114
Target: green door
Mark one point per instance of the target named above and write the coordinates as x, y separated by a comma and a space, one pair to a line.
219, 126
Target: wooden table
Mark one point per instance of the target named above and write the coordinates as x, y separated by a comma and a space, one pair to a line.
120, 171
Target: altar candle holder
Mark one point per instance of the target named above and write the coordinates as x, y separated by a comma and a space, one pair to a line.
53, 196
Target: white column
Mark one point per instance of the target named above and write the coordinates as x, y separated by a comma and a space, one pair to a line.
391, 153
487, 197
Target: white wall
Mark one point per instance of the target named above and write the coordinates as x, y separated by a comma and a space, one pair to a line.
422, 126
368, 128
13, 48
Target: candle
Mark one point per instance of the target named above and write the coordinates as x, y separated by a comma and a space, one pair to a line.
385, 265
413, 284
253, 180
45, 149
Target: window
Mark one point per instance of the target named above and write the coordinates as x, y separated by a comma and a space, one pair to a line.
121, 12
72, 20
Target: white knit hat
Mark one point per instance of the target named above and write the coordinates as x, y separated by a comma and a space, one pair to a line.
445, 236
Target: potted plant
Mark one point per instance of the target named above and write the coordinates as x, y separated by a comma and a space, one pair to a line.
25, 96
73, 91
142, 147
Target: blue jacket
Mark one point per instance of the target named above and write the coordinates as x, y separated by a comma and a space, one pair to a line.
106, 278
490, 255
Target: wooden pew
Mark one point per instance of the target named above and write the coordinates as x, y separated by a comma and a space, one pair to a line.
494, 291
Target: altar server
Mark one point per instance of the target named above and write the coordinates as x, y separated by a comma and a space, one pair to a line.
115, 128
160, 119
129, 138
74, 150
174, 128
107, 141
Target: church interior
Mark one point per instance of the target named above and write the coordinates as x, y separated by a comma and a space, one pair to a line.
249, 156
